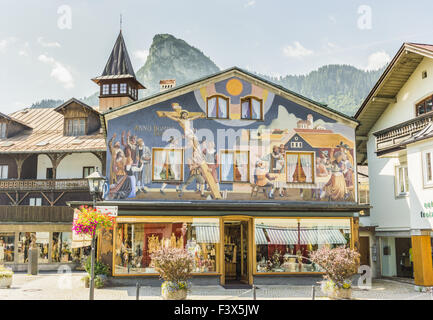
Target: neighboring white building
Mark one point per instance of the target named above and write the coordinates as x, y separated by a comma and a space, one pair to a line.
395, 138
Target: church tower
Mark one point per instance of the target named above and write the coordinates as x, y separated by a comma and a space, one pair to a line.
118, 84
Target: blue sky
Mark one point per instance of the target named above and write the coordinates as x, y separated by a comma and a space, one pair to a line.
44, 54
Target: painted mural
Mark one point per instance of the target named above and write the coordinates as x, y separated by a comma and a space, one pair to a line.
230, 140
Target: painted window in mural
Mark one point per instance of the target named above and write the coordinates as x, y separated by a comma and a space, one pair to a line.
167, 164
234, 166
135, 242
300, 167
217, 107
284, 245
252, 108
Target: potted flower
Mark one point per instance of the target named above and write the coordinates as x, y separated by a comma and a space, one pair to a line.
339, 265
174, 266
101, 273
6, 276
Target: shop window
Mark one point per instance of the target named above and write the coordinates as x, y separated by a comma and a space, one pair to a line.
167, 165
284, 245
300, 167
3, 126
251, 108
88, 171
62, 248
135, 242
35, 201
402, 181
75, 127
4, 169
425, 106
217, 107
428, 168
7, 246
234, 166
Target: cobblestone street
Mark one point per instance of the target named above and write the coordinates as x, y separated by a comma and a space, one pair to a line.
51, 286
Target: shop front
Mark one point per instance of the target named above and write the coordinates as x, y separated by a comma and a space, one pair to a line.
230, 249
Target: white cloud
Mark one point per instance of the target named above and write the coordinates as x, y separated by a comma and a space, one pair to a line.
23, 53
332, 19
250, 3
141, 55
5, 43
296, 51
58, 71
377, 60
45, 44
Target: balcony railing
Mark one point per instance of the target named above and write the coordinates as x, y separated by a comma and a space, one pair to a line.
393, 137
44, 185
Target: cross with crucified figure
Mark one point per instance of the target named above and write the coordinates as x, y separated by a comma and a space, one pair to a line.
185, 119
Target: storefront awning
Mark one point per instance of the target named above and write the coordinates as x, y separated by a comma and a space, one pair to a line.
260, 236
306, 236
207, 234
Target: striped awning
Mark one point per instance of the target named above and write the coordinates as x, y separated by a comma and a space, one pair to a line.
282, 236
260, 236
207, 233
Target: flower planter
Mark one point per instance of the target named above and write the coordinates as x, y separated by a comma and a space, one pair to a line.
5, 282
169, 291
340, 293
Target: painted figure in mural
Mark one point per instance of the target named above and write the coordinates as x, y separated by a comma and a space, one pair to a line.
263, 179
117, 158
321, 165
168, 171
335, 189
276, 163
195, 174
145, 166
211, 156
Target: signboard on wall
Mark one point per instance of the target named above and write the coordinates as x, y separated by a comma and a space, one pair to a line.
110, 210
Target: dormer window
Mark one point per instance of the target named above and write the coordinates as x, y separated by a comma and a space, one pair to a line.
3, 126
425, 106
251, 108
75, 127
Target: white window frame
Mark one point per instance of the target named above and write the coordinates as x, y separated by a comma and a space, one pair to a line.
114, 88
105, 89
398, 193
123, 88
4, 171
3, 126
35, 202
425, 155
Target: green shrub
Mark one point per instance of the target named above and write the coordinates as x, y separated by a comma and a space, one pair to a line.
100, 268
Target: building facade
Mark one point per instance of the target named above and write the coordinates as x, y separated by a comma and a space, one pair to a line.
246, 175
395, 139
45, 155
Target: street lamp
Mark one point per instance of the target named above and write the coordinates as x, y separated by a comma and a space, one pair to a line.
96, 188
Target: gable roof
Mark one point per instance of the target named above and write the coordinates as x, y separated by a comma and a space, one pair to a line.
234, 71
384, 92
119, 64
47, 135
74, 100
9, 118
325, 139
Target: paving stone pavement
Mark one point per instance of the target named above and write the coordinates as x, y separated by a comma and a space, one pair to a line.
52, 286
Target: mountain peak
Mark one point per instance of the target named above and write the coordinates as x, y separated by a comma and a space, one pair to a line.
173, 58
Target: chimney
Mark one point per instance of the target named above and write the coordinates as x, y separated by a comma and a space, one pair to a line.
166, 84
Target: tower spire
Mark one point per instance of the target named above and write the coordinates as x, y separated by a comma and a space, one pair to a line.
120, 22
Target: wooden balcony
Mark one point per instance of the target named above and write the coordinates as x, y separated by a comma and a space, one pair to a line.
393, 138
44, 185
